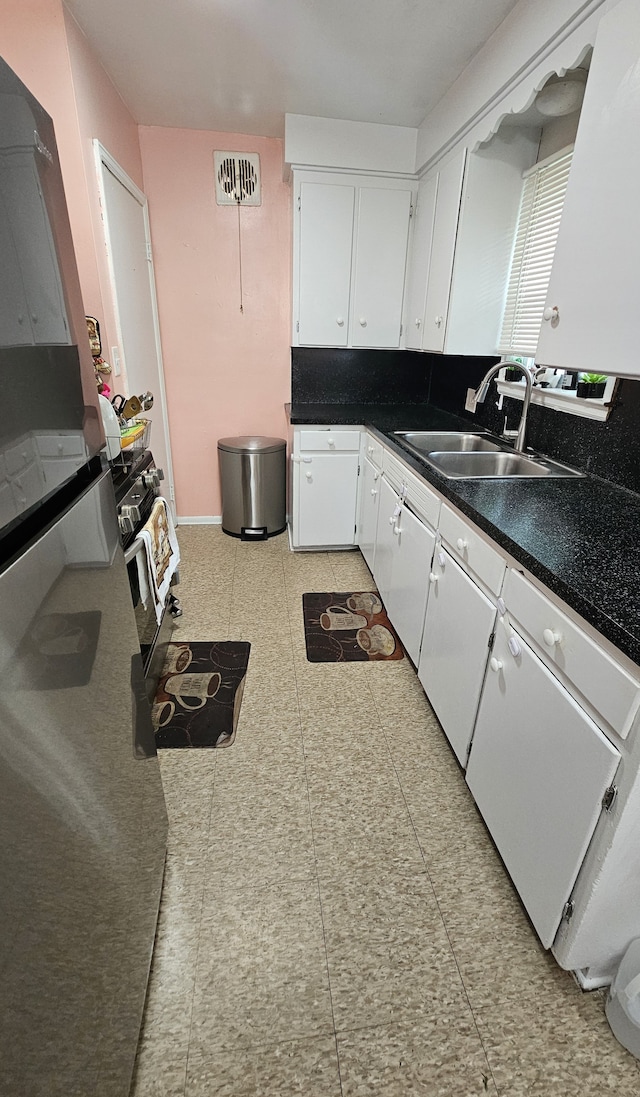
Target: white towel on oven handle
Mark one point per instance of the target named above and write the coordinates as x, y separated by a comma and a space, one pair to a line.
150, 585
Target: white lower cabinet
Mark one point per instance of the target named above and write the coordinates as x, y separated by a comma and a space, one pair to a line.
457, 629
368, 513
404, 548
538, 770
325, 500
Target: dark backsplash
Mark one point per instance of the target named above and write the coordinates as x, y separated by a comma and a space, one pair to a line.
610, 450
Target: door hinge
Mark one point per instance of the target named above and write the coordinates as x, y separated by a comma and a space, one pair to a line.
609, 797
567, 910
401, 328
491, 641
297, 325
299, 202
411, 210
149, 256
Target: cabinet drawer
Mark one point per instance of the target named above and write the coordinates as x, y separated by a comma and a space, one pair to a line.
329, 440
613, 692
468, 545
61, 445
373, 451
422, 500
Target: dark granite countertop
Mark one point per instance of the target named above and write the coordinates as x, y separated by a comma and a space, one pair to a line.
579, 536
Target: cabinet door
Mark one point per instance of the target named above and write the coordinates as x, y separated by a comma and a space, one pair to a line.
407, 595
419, 262
594, 276
368, 516
325, 492
379, 266
385, 540
443, 245
457, 628
326, 235
538, 769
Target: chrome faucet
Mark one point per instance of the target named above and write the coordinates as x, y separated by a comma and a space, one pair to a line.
482, 389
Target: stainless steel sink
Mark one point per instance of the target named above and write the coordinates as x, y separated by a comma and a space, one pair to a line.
426, 441
500, 464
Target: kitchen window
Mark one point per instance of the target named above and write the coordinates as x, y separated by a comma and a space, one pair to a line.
535, 241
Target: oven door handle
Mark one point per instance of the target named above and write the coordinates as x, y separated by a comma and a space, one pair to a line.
133, 550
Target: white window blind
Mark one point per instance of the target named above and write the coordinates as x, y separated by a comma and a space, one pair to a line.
536, 234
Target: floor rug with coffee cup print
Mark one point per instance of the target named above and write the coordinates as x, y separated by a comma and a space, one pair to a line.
346, 628
197, 703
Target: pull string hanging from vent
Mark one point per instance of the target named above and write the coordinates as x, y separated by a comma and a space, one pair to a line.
240, 257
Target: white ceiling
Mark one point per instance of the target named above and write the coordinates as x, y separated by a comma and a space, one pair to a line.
239, 65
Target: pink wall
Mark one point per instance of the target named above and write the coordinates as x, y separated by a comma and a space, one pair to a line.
101, 114
227, 372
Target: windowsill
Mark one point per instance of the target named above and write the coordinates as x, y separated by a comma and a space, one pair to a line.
563, 399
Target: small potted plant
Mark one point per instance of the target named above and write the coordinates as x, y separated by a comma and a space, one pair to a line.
591, 385
512, 373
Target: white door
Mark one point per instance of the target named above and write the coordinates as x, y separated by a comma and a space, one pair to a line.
454, 654
368, 516
594, 279
325, 494
538, 770
379, 266
326, 236
445, 228
129, 249
419, 262
407, 595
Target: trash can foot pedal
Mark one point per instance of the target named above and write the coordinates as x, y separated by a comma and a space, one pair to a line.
253, 533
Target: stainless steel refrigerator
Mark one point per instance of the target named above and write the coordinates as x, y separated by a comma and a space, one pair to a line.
82, 818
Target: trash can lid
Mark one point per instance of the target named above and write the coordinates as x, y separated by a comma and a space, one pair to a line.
251, 443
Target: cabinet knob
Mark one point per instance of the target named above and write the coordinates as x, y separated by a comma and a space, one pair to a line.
374, 491
376, 477
392, 519
418, 321
369, 450
438, 321
362, 321
396, 531
461, 544
495, 664
309, 474
551, 313
331, 441
433, 578
340, 321
551, 637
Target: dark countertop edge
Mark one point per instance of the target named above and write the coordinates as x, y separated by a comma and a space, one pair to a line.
370, 416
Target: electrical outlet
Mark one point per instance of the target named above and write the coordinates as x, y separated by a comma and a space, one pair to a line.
115, 361
470, 402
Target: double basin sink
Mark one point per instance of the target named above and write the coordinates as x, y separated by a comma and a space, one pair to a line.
459, 455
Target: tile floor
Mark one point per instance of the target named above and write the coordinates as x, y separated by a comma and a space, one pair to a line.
335, 919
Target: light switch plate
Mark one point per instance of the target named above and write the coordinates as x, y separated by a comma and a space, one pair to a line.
470, 402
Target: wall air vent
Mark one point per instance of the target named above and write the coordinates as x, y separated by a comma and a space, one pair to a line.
237, 178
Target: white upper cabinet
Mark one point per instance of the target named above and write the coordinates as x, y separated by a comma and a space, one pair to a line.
594, 277
466, 219
326, 231
419, 261
380, 260
350, 253
443, 244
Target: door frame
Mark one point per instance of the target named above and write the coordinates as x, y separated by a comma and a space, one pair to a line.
104, 160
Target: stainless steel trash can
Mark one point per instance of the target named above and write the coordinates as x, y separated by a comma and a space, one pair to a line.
253, 477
